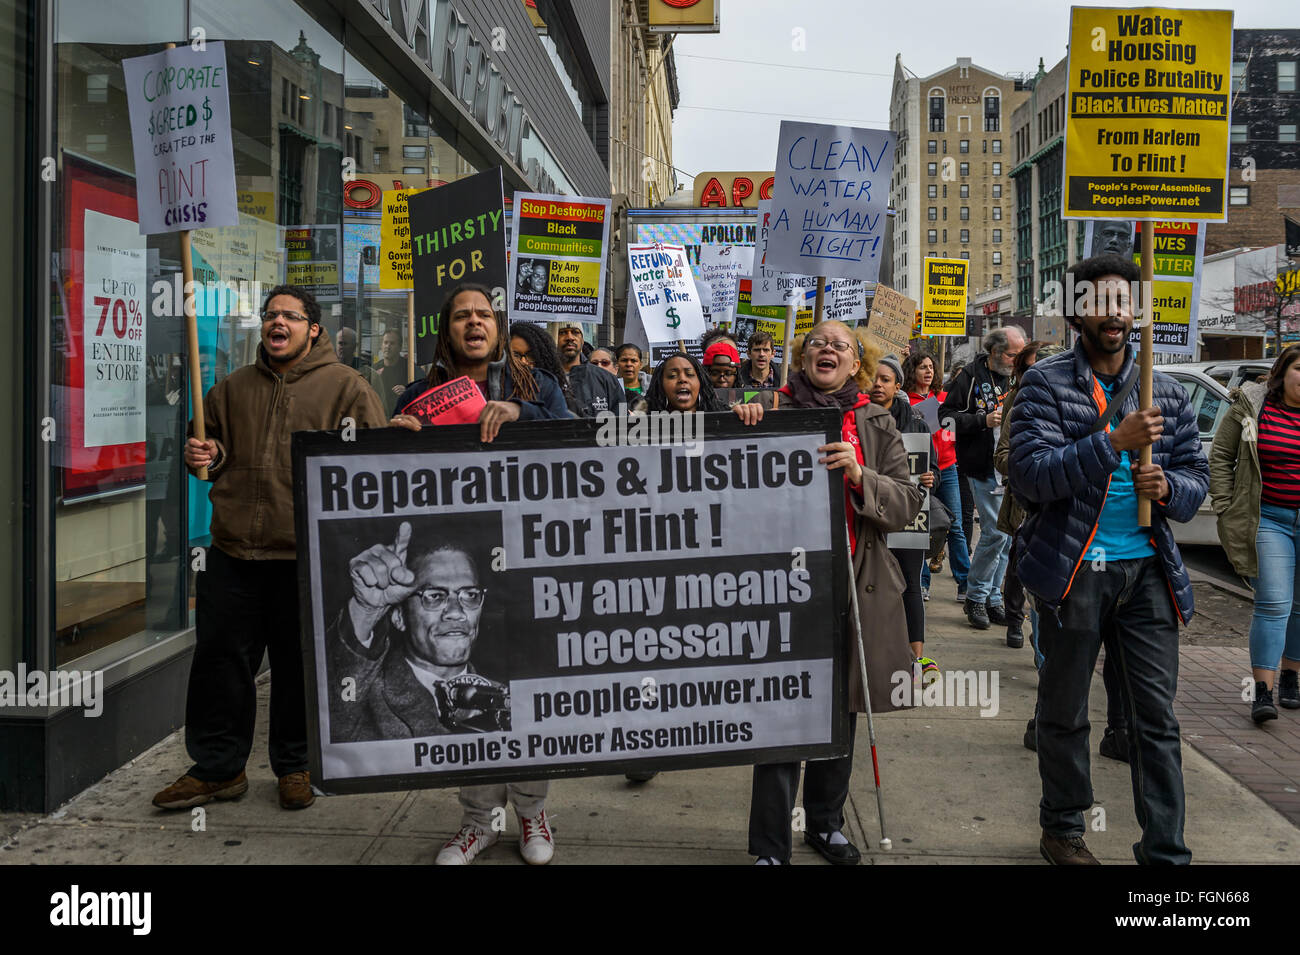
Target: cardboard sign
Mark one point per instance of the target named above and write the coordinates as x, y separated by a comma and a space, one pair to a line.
944, 309
395, 271
457, 235
179, 105
892, 316
1147, 113
558, 246
664, 288
533, 546
459, 401
830, 200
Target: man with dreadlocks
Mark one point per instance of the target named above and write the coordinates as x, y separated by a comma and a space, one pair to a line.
472, 343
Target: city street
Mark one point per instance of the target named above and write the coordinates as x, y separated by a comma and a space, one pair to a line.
958, 787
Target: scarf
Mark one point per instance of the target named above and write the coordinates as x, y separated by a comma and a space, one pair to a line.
806, 396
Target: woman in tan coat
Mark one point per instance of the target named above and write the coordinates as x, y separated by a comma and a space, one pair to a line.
880, 498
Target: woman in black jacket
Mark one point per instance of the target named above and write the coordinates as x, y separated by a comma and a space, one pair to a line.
887, 392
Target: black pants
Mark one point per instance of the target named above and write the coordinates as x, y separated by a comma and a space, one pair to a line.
967, 513
910, 562
244, 608
1128, 605
1013, 595
771, 805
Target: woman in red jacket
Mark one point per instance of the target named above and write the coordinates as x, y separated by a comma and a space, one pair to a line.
921, 382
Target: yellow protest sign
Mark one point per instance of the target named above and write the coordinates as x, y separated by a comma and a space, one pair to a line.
943, 311
1147, 113
395, 241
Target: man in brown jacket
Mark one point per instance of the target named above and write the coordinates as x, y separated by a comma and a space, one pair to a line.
247, 594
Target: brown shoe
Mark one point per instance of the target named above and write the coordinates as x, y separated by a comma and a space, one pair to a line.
1068, 850
188, 791
295, 791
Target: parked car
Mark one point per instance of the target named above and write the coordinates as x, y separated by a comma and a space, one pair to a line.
1207, 385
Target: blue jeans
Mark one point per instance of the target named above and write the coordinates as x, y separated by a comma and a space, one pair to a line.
1127, 605
988, 564
948, 490
1275, 626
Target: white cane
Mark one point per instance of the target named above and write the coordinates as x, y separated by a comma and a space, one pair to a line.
885, 842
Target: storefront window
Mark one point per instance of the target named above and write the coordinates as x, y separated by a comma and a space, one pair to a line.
117, 381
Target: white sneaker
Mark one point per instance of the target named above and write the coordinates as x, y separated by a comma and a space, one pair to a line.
464, 846
536, 844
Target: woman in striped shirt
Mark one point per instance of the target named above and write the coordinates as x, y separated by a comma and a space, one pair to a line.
1255, 487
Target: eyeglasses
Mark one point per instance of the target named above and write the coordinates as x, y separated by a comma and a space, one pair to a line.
434, 599
603, 364
837, 344
272, 314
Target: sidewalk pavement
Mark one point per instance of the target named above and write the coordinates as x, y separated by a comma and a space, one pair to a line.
958, 788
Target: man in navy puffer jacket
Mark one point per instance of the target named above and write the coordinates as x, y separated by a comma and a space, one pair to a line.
1096, 575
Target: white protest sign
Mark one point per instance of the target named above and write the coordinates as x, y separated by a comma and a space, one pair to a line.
180, 132
664, 288
770, 287
722, 266
830, 199
705, 292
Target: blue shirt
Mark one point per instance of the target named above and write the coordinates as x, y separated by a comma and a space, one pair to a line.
1118, 536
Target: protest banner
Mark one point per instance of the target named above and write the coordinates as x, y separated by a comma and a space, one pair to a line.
583, 593
1147, 113
944, 303
1176, 278
457, 235
664, 288
179, 104
722, 267
766, 318
830, 199
311, 260
558, 246
843, 300
459, 401
395, 272
1049, 327
892, 317
916, 535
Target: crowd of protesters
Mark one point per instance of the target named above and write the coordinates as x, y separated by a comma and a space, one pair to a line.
1040, 443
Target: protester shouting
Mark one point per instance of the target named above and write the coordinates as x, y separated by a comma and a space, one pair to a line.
680, 384
1254, 464
1096, 574
471, 342
881, 498
921, 382
974, 405
885, 392
246, 601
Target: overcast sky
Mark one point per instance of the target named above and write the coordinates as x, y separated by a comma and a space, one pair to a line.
739, 84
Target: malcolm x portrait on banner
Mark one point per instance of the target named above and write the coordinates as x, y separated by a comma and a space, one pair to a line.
415, 595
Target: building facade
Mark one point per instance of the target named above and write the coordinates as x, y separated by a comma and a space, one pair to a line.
951, 185
1264, 171
644, 95
1045, 242
330, 104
